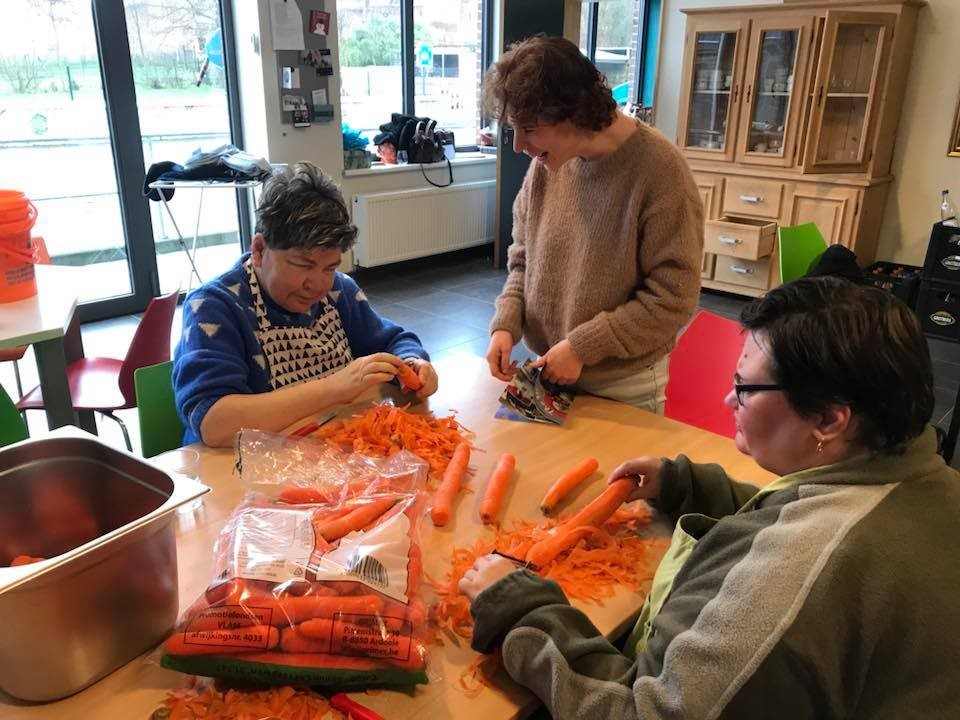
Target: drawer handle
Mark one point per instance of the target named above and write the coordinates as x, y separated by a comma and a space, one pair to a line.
751, 198
741, 270
729, 240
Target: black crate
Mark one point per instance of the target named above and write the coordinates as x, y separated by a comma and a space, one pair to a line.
943, 254
902, 280
938, 307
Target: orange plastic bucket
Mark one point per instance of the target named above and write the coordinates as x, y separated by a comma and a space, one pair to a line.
17, 218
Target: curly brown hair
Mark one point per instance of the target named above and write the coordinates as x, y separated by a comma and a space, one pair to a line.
548, 80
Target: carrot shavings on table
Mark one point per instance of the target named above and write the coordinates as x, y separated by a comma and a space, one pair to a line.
384, 430
201, 699
611, 557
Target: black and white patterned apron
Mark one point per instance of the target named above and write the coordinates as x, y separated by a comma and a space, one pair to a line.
296, 354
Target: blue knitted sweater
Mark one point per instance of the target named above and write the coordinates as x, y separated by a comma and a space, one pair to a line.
229, 361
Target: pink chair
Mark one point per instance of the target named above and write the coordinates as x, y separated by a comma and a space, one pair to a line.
104, 384
701, 373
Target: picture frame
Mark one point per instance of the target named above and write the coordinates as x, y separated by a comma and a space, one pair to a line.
954, 149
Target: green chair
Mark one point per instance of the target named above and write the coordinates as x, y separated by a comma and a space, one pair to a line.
12, 427
800, 246
160, 426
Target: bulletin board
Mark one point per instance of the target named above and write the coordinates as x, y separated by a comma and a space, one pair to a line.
304, 62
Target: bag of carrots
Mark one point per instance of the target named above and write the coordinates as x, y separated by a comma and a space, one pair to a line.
312, 470
316, 593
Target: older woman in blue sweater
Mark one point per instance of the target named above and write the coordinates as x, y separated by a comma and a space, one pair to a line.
282, 334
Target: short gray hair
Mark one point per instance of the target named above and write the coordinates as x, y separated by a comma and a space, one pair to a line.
301, 207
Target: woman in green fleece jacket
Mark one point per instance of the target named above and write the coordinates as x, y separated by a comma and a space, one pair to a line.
830, 593
604, 268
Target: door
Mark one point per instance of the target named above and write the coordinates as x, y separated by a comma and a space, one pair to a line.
710, 90
90, 94
851, 73
833, 208
773, 88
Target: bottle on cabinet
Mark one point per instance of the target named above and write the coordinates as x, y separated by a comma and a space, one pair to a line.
948, 211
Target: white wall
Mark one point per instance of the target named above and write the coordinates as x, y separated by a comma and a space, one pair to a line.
920, 165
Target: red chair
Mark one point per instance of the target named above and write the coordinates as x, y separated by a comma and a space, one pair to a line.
701, 373
104, 384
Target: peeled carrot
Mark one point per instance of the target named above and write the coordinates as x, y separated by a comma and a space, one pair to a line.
548, 548
566, 483
223, 642
356, 519
497, 488
602, 507
408, 378
450, 485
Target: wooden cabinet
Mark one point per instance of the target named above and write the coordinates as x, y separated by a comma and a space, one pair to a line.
788, 114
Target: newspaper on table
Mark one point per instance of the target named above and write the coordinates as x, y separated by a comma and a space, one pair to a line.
529, 397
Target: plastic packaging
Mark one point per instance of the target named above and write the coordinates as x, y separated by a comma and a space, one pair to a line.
315, 593
948, 211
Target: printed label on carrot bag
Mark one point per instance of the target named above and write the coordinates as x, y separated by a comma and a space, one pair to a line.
272, 544
252, 637
373, 636
377, 557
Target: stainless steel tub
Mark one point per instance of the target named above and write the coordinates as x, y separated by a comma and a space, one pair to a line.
108, 590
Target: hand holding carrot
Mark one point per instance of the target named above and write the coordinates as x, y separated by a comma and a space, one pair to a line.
498, 355
362, 374
560, 364
646, 467
425, 374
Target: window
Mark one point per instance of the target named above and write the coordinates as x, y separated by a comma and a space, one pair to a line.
420, 57
621, 37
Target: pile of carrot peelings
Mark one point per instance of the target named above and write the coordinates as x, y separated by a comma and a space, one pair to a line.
385, 429
200, 698
613, 556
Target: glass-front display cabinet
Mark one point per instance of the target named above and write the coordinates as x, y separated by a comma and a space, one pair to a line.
844, 98
776, 64
711, 88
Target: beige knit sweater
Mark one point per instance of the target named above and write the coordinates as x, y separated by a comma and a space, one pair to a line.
606, 253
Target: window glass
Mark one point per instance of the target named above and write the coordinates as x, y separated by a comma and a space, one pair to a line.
371, 83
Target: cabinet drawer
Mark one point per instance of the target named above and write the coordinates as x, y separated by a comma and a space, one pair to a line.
739, 271
706, 266
751, 196
741, 238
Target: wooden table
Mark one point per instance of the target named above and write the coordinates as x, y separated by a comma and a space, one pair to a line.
47, 322
609, 431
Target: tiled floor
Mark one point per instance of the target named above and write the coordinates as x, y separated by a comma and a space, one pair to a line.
448, 301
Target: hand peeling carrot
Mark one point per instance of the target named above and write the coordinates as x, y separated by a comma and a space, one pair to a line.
566, 483
602, 507
408, 378
450, 485
497, 488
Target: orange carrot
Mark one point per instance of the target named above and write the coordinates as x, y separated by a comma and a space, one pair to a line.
357, 519
450, 485
497, 488
302, 495
602, 507
202, 699
25, 560
223, 642
408, 378
294, 610
566, 483
547, 549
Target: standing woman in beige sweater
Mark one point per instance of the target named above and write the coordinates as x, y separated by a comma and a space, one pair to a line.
604, 268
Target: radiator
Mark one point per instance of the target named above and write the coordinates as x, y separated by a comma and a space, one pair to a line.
406, 224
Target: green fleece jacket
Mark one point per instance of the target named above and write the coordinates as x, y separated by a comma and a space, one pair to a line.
835, 596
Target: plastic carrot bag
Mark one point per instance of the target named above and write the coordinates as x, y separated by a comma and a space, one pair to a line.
312, 470
324, 593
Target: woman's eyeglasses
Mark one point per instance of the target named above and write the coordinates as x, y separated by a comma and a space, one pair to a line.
740, 389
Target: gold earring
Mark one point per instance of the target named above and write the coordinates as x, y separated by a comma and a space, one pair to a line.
819, 447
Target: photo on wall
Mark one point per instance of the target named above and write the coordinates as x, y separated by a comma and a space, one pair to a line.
319, 22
